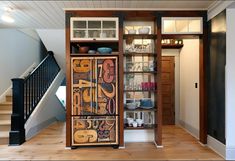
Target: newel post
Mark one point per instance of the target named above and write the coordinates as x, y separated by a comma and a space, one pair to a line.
17, 133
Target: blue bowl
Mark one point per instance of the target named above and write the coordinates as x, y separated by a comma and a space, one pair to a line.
146, 103
104, 50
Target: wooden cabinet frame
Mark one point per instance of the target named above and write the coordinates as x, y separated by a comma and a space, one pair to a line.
143, 15
101, 19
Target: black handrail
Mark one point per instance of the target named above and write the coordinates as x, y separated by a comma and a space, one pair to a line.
27, 93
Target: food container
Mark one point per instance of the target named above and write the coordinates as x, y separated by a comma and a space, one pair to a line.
144, 30
104, 50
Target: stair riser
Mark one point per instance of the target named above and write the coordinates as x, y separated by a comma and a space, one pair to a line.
5, 127
5, 107
4, 141
9, 98
5, 117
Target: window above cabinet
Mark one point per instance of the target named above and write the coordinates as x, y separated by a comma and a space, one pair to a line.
93, 28
182, 25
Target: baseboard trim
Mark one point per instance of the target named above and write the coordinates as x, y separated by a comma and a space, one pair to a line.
216, 146
230, 153
68, 148
122, 147
157, 146
191, 130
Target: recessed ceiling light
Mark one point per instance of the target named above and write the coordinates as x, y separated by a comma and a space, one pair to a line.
8, 9
7, 18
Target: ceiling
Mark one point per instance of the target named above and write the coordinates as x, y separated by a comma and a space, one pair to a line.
50, 14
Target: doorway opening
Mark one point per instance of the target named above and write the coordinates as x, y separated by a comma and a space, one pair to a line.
180, 86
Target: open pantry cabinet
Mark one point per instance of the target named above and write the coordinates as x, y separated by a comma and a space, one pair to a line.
142, 100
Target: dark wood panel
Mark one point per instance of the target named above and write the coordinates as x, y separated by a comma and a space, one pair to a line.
140, 36
147, 72
158, 96
181, 36
203, 45
168, 90
68, 82
121, 83
137, 14
172, 46
140, 54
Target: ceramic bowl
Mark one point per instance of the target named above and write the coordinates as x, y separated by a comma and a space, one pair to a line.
144, 30
131, 106
104, 50
135, 124
83, 49
139, 122
146, 103
130, 121
131, 31
91, 51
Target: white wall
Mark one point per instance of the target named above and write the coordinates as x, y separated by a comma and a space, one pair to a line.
230, 85
47, 111
176, 54
18, 51
54, 40
189, 95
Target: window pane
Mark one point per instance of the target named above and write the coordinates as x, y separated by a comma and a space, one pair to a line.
79, 34
94, 24
194, 25
109, 24
181, 25
94, 33
169, 25
109, 33
79, 24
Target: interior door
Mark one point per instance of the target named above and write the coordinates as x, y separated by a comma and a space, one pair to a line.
95, 101
168, 90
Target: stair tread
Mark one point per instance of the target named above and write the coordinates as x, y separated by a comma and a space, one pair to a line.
5, 112
4, 134
5, 122
6, 103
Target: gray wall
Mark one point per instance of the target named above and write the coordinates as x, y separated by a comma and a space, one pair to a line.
47, 111
18, 51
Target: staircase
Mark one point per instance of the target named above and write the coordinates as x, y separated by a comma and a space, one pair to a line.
5, 120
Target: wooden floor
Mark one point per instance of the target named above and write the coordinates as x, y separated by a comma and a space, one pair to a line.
50, 145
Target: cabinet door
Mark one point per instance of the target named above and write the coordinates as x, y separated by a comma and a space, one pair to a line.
107, 82
94, 86
94, 28
94, 130
83, 85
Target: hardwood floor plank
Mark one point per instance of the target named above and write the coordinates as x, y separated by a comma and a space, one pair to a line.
50, 145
